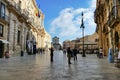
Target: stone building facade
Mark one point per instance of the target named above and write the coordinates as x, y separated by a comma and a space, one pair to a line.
66, 44
47, 40
55, 43
90, 42
21, 26
106, 17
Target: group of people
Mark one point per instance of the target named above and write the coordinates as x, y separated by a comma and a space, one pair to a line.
41, 50
100, 53
72, 53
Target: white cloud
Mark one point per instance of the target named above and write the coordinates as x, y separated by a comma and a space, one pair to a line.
67, 24
93, 3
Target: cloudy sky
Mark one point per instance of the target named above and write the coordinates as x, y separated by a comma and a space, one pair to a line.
63, 17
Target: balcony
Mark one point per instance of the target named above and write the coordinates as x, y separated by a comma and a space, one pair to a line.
4, 18
98, 11
13, 6
31, 22
22, 14
114, 17
25, 13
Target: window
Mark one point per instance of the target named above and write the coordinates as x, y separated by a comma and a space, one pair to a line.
96, 40
18, 37
1, 30
2, 10
107, 1
119, 1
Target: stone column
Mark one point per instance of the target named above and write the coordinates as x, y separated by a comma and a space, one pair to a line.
11, 33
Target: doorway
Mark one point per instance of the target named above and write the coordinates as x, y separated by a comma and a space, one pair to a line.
116, 39
1, 49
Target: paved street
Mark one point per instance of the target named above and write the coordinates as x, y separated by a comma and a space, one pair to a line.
39, 67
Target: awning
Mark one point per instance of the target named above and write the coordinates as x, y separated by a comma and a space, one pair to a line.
4, 41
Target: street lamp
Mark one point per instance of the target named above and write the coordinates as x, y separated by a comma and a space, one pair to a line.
82, 26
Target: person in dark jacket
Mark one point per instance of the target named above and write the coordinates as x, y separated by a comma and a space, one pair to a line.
51, 54
34, 49
75, 54
69, 54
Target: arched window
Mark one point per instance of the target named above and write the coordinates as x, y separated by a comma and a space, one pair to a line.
2, 10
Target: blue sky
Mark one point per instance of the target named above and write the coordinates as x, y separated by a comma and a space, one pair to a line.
63, 17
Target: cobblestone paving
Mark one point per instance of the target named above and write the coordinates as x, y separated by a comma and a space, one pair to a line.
39, 67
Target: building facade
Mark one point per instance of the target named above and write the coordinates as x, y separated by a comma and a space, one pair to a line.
90, 42
55, 43
47, 40
66, 44
106, 17
21, 26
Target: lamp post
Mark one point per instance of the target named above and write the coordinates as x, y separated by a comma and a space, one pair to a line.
82, 26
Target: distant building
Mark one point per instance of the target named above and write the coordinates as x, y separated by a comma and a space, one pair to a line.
55, 43
66, 44
90, 42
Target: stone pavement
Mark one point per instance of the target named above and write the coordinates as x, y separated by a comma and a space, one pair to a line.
39, 67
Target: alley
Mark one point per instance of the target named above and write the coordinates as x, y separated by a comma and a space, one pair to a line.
39, 67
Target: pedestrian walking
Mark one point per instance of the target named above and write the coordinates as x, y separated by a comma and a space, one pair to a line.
75, 51
97, 53
101, 52
51, 54
34, 49
64, 51
69, 54
110, 55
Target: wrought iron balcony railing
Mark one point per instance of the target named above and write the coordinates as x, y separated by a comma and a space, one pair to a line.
4, 18
114, 16
31, 21
22, 13
14, 5
25, 13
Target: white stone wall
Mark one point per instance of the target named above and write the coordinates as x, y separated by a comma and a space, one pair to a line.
11, 30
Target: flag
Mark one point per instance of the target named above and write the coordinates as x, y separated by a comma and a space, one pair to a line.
36, 12
39, 14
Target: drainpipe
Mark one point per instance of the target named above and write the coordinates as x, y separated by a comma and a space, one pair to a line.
115, 11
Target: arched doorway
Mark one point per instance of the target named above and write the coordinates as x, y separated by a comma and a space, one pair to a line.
116, 39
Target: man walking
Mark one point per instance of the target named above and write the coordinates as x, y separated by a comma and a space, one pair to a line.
75, 54
69, 54
51, 54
